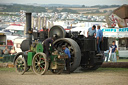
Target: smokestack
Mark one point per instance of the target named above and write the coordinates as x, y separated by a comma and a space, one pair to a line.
28, 28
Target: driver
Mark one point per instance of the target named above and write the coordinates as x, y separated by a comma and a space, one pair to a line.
66, 51
46, 45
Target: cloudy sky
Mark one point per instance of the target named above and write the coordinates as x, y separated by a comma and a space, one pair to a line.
71, 2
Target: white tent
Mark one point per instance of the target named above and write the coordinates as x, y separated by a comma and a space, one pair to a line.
115, 32
10, 37
12, 28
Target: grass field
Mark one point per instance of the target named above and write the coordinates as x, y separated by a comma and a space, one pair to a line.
112, 70
122, 60
7, 69
98, 70
86, 10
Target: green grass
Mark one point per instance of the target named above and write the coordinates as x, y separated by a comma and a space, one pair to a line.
108, 70
122, 60
100, 70
7, 69
7, 14
113, 69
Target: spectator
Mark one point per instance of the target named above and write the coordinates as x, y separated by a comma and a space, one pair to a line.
13, 51
6, 50
114, 49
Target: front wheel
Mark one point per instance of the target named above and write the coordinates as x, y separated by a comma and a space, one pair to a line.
20, 65
40, 63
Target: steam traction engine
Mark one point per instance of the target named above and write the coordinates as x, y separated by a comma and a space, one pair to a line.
83, 51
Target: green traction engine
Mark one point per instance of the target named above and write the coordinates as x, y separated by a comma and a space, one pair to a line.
32, 55
37, 60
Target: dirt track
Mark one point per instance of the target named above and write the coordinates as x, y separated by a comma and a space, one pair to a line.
102, 76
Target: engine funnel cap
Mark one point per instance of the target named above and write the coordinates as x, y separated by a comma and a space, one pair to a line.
58, 31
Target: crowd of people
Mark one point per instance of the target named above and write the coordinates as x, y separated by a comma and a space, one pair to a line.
7, 54
6, 51
92, 33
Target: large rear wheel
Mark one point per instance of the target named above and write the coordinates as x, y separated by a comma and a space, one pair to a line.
74, 51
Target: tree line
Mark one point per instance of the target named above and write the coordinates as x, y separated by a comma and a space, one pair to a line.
30, 8
17, 8
38, 9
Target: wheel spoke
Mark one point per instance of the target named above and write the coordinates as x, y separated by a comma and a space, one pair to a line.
37, 69
36, 62
42, 67
36, 59
42, 62
40, 58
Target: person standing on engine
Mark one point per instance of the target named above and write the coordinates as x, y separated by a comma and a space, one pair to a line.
92, 31
66, 51
99, 37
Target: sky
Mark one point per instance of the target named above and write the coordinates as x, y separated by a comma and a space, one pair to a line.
70, 2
